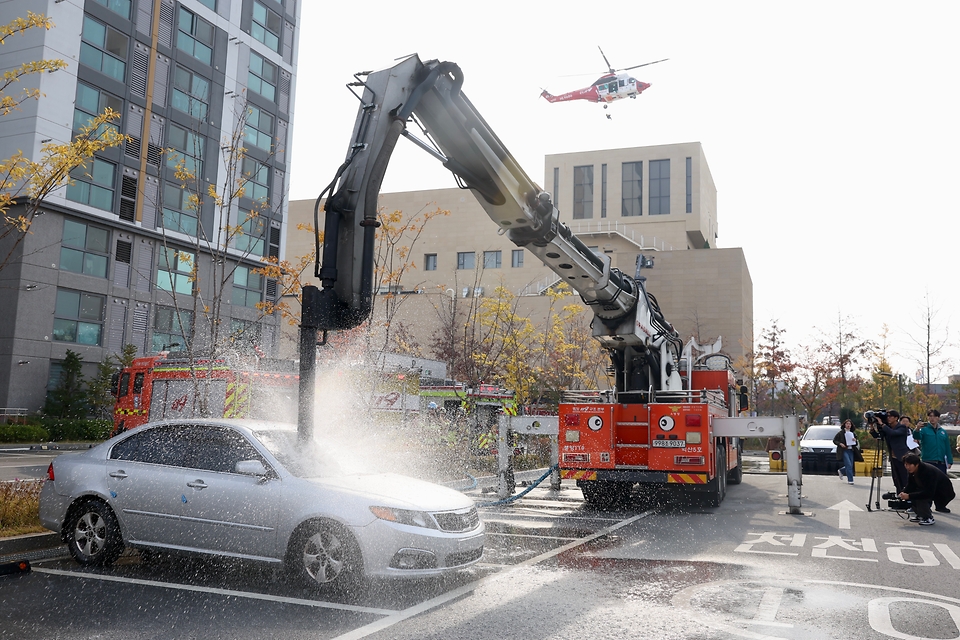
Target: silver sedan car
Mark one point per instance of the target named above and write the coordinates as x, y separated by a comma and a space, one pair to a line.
249, 490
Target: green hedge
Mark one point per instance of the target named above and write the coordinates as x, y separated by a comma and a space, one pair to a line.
64, 430
23, 433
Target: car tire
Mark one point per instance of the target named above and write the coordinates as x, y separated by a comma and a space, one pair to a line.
325, 556
718, 486
93, 534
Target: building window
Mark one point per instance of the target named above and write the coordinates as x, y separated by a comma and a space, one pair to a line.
103, 48
466, 260
430, 262
179, 210
120, 7
247, 287
188, 147
84, 249
659, 187
583, 192
191, 93
211, 4
256, 174
516, 258
491, 259
171, 328
262, 77
631, 189
78, 317
95, 186
603, 191
265, 26
258, 129
689, 185
89, 104
556, 185
246, 336
195, 36
175, 271
250, 239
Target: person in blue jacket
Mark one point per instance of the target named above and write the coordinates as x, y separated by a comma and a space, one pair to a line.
934, 442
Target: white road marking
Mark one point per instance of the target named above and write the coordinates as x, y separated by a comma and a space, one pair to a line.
844, 508
399, 616
524, 535
221, 592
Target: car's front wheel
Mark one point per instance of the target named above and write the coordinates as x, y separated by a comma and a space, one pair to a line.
94, 535
326, 556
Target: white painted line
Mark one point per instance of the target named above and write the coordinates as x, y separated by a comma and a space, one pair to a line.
399, 616
524, 535
507, 514
844, 508
220, 592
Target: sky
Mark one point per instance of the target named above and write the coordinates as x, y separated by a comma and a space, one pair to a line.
830, 129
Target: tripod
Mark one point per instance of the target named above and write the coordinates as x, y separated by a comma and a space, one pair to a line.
876, 474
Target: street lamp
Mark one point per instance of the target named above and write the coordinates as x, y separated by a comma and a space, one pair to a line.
899, 377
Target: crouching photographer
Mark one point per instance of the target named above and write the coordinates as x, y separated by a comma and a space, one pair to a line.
926, 486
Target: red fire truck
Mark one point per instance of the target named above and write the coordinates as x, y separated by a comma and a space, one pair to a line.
672, 420
157, 387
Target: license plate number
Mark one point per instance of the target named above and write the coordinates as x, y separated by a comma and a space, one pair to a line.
669, 444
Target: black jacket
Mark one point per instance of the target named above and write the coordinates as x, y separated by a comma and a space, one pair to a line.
929, 483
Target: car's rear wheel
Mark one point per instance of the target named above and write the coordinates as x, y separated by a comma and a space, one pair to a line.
94, 535
326, 556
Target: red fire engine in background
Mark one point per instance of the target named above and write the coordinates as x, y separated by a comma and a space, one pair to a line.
157, 388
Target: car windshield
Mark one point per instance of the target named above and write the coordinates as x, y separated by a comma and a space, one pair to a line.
308, 460
821, 433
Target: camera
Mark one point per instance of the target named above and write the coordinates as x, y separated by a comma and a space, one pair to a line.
898, 505
877, 416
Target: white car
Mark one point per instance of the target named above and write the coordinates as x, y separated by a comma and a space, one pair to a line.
819, 438
249, 490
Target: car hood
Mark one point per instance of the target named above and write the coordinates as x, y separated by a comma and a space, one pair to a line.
818, 444
395, 490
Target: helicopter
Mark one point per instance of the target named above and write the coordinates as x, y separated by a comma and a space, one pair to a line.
616, 84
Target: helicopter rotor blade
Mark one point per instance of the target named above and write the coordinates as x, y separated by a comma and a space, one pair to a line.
610, 66
637, 66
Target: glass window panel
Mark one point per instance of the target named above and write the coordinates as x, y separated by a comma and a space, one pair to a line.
102, 173
65, 330
74, 234
71, 260
88, 333
94, 32
97, 239
101, 198
68, 304
91, 307
116, 43
88, 98
95, 265
90, 56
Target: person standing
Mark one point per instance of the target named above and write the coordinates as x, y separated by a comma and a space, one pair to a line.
896, 437
846, 441
926, 486
934, 442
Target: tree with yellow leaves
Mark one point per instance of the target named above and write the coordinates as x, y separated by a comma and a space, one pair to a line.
26, 183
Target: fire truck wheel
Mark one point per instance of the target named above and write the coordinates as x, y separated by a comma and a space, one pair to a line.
735, 475
325, 556
93, 534
718, 486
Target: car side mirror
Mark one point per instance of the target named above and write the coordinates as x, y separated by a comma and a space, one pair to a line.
251, 468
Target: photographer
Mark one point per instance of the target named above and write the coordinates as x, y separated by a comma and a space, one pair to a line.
896, 436
926, 485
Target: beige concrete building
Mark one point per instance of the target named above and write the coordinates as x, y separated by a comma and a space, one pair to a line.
658, 201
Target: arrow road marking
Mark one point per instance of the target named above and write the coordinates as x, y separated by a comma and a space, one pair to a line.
845, 508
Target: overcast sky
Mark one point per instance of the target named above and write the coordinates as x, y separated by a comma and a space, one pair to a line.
830, 129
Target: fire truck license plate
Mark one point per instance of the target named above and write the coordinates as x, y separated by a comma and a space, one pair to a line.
669, 444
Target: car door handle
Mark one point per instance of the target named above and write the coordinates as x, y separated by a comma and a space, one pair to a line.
118, 474
198, 484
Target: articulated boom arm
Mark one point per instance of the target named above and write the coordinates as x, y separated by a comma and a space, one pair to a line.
465, 144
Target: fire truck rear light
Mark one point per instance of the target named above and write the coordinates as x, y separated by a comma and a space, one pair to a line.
576, 457
692, 419
693, 437
572, 435
688, 460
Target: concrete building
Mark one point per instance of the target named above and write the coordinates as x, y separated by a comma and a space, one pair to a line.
658, 200
109, 262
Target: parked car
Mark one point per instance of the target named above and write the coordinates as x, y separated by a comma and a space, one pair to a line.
817, 451
247, 489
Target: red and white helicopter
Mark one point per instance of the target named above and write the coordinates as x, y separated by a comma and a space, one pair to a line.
616, 84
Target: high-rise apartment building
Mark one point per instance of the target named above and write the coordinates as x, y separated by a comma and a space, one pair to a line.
659, 201
121, 256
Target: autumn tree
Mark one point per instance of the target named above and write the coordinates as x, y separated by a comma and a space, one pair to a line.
773, 362
26, 183
809, 379
845, 350
930, 343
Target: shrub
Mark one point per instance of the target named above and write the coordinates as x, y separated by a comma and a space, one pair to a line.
23, 433
63, 430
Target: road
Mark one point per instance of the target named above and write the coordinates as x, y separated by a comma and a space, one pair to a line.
555, 567
20, 462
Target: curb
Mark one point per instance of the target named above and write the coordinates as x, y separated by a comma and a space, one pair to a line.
29, 543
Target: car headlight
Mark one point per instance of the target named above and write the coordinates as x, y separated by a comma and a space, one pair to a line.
805, 450
404, 516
